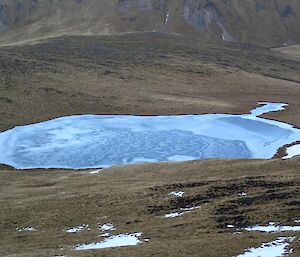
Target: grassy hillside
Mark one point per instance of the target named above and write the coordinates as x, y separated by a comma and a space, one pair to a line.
256, 21
135, 199
141, 74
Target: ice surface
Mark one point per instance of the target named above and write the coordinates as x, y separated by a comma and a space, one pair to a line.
272, 228
292, 151
94, 141
276, 248
113, 241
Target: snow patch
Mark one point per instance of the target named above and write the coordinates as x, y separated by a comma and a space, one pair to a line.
276, 248
107, 227
177, 193
181, 212
113, 241
105, 235
26, 229
271, 228
173, 214
77, 228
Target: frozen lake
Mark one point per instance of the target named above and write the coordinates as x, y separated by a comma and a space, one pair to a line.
95, 141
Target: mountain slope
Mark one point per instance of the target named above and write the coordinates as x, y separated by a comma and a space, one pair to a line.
143, 73
256, 21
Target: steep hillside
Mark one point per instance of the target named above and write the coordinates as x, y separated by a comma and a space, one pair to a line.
268, 22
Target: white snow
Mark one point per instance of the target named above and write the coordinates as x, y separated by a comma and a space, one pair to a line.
107, 227
26, 229
113, 241
243, 194
297, 221
292, 151
97, 141
181, 212
276, 248
273, 228
177, 193
230, 226
76, 229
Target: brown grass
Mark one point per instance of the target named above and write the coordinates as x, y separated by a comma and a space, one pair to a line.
145, 74
136, 197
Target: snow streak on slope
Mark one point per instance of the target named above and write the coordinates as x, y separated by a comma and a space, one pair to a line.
90, 141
